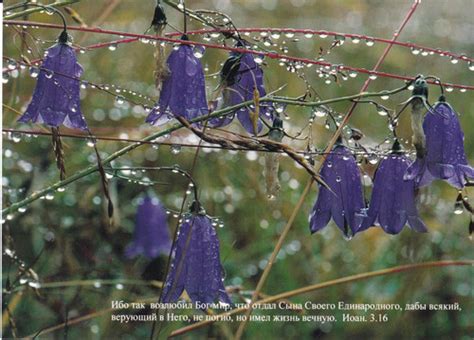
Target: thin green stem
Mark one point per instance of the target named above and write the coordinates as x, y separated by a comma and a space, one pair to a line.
92, 282
38, 9
93, 168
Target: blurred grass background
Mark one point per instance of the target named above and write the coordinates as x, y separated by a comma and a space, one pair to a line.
76, 243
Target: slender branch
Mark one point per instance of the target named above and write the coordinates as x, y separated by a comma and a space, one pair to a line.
174, 169
38, 9
77, 283
271, 55
93, 168
331, 283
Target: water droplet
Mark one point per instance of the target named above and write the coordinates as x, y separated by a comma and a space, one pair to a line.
198, 51
144, 40
11, 64
320, 112
308, 35
415, 51
113, 47
258, 59
276, 35
61, 189
84, 85
175, 149
279, 107
385, 97
329, 164
21, 210
338, 179
16, 137
369, 42
6, 77
48, 74
382, 111
372, 76
373, 159
289, 34
458, 208
454, 60
352, 74
119, 286
323, 36
34, 71
471, 66
119, 100
355, 40
449, 89
90, 143
49, 196
97, 284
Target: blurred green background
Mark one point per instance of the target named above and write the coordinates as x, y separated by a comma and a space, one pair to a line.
75, 242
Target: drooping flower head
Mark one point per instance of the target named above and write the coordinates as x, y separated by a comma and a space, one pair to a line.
56, 98
393, 199
445, 156
195, 264
183, 93
242, 78
151, 236
345, 204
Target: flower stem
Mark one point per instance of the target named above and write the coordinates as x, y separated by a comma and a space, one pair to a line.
37, 9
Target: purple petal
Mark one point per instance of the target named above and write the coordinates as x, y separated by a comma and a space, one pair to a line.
345, 203
321, 213
197, 249
56, 97
393, 196
445, 145
151, 235
183, 92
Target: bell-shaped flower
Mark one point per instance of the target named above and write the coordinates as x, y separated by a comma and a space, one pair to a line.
445, 156
393, 199
56, 98
195, 264
183, 92
151, 236
345, 203
242, 81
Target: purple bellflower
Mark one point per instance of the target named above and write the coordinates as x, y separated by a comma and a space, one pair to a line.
242, 78
345, 203
151, 236
393, 199
183, 93
56, 98
445, 156
195, 264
